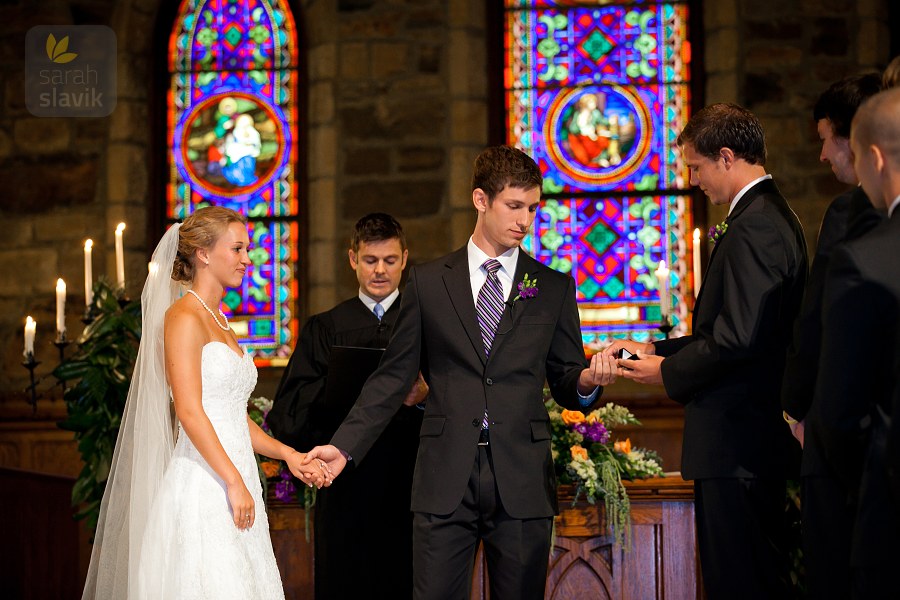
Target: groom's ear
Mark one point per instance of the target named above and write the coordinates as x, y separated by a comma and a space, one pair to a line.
480, 200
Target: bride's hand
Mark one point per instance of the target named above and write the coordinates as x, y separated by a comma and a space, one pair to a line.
310, 474
243, 509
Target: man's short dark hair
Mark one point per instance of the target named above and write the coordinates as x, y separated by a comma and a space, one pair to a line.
839, 102
377, 227
500, 166
726, 126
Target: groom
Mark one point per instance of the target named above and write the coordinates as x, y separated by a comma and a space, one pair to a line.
484, 470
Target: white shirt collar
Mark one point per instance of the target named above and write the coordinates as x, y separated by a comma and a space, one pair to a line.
744, 189
507, 260
893, 206
386, 303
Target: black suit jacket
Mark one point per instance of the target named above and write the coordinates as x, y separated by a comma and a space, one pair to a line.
857, 382
849, 216
728, 372
537, 339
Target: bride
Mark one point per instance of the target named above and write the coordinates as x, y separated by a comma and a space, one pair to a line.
186, 519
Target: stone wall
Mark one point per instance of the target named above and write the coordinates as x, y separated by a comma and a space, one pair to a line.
775, 57
397, 108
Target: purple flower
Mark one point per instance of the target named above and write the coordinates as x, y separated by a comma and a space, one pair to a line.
284, 489
527, 288
527, 292
717, 231
595, 432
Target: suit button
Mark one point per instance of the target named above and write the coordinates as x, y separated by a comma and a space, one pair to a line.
489, 381
476, 423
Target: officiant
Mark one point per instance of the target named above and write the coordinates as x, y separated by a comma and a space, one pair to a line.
363, 524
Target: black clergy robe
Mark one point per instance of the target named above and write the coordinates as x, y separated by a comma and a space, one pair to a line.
363, 524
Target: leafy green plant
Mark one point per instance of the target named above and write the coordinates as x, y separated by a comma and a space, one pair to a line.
102, 368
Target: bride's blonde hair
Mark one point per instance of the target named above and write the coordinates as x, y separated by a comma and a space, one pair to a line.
201, 230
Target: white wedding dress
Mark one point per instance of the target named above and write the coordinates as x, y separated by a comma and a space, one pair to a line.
191, 547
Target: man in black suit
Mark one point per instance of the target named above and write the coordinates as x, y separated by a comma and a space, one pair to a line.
364, 518
728, 372
827, 517
857, 377
484, 470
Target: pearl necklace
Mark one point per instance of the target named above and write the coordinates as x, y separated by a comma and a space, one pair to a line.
226, 327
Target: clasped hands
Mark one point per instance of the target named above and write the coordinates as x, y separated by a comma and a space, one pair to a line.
310, 472
329, 461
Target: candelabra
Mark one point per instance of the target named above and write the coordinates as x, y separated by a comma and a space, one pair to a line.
31, 365
666, 326
61, 343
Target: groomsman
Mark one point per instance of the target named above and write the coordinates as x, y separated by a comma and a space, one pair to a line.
858, 369
488, 325
827, 518
728, 372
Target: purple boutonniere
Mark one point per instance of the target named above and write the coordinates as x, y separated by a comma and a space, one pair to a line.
527, 288
717, 232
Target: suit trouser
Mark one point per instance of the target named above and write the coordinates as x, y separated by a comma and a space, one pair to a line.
827, 525
444, 546
741, 533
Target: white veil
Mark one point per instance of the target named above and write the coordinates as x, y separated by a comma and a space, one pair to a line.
145, 442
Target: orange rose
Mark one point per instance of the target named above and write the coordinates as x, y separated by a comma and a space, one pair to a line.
571, 417
623, 447
579, 452
270, 469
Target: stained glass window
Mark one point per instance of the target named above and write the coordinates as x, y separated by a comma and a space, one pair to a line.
597, 92
232, 122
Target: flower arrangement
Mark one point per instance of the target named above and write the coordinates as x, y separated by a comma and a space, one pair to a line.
271, 470
586, 456
716, 232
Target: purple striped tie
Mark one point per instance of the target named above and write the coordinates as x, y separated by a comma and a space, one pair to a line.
489, 308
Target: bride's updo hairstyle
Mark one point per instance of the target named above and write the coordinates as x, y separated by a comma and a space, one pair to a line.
201, 230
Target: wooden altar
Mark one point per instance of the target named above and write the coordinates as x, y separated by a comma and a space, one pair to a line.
585, 562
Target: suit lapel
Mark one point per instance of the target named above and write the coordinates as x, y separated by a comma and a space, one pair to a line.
766, 186
459, 289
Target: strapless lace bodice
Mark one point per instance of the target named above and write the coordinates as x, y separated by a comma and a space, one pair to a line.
228, 380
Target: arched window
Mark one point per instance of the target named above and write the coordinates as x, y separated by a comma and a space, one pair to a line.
232, 131
597, 93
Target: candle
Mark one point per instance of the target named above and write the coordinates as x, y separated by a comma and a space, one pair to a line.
120, 257
662, 274
88, 275
60, 308
695, 250
30, 327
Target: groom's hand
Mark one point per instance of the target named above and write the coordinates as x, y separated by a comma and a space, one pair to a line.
601, 371
330, 459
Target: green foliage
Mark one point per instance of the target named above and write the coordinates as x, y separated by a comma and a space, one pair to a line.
101, 368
